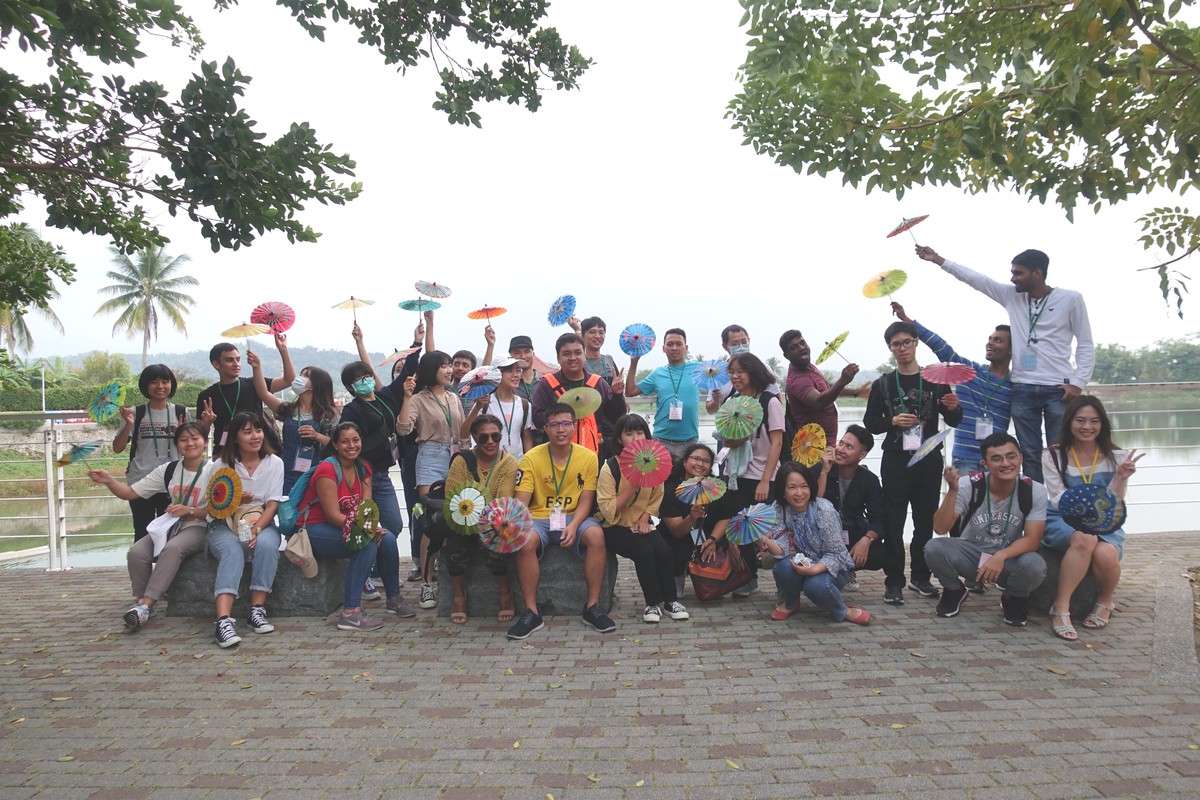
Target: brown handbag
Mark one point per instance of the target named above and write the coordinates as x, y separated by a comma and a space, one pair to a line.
721, 576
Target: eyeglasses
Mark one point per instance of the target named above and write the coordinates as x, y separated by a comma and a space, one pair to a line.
1009, 458
903, 344
559, 425
701, 460
490, 437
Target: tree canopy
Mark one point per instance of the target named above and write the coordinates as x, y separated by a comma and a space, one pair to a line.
1076, 102
95, 148
28, 267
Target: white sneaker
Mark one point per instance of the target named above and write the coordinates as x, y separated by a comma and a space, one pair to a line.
135, 616
428, 599
652, 614
852, 584
675, 610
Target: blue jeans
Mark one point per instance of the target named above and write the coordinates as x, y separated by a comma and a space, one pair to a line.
384, 495
326, 541
823, 589
1030, 405
231, 555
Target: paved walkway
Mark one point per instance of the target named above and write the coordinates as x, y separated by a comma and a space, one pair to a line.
728, 705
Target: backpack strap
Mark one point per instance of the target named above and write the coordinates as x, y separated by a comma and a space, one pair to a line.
139, 414
524, 413
978, 487
1025, 495
470, 460
168, 473
615, 468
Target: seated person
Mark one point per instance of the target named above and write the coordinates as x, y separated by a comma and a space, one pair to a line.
855, 492
557, 480
685, 526
998, 520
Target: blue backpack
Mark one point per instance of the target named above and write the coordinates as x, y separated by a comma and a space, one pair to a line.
289, 511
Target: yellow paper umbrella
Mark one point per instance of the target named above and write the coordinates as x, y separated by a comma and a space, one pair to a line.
809, 444
354, 303
884, 283
832, 347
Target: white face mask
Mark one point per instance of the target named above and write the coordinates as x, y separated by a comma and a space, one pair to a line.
301, 385
738, 349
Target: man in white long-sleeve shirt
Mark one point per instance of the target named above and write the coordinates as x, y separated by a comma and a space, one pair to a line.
1044, 322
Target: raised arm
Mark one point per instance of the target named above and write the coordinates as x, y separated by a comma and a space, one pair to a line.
363, 355
631, 387
992, 288
947, 513
289, 370
489, 336
260, 383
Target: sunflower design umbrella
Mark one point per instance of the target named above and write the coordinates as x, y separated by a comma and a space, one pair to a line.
487, 312
419, 305
509, 525
585, 400
1092, 508
276, 316
561, 310
751, 524
464, 506
479, 382
948, 373
432, 289
353, 305
396, 356
710, 375
832, 347
645, 463
738, 417
107, 402
809, 444
224, 493
701, 491
929, 445
885, 283
79, 452
637, 340
907, 224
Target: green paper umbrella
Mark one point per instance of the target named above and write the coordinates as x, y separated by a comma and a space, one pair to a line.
738, 417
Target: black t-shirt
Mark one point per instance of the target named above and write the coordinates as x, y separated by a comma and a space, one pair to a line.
228, 399
376, 421
915, 396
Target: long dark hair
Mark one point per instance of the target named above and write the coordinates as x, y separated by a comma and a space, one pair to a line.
323, 408
231, 453
1066, 440
752, 365
678, 474
428, 367
635, 422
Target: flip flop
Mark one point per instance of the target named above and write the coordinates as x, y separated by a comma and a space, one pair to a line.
779, 614
862, 619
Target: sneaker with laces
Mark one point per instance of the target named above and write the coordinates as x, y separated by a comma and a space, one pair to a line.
952, 601
227, 633
924, 588
651, 614
1015, 612
136, 615
893, 595
747, 589
852, 583
675, 610
414, 575
356, 620
428, 598
370, 590
527, 624
258, 620
592, 615
398, 606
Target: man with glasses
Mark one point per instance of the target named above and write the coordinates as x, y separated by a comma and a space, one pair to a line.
905, 407
995, 523
592, 430
677, 415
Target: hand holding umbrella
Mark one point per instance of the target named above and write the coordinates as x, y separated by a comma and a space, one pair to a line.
354, 303
561, 310
907, 225
832, 347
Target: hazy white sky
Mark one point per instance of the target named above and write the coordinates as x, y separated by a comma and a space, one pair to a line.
634, 194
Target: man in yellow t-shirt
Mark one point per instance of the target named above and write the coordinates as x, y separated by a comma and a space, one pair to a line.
557, 480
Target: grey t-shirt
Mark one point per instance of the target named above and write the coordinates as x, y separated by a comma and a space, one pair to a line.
1005, 518
155, 442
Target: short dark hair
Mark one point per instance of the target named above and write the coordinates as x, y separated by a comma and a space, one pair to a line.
627, 422
863, 435
566, 339
560, 408
900, 327
353, 371
677, 471
997, 439
218, 350
1033, 260
753, 366
592, 322
153, 373
786, 338
485, 419
732, 329
780, 488
1006, 329
194, 427
679, 331
427, 369
468, 355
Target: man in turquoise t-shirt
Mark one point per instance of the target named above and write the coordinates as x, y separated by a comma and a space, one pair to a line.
677, 416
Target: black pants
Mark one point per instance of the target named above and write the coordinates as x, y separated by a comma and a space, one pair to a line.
144, 510
408, 480
651, 557
876, 553
903, 486
736, 500
457, 549
681, 551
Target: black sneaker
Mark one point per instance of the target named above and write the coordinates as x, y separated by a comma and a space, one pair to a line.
258, 620
924, 588
952, 601
226, 633
528, 623
592, 615
1015, 613
893, 595
975, 587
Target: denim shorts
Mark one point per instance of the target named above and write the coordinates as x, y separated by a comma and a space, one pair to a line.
433, 463
542, 528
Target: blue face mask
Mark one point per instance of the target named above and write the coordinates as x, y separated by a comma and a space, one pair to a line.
738, 349
363, 386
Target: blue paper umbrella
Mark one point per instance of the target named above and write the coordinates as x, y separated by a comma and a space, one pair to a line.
561, 310
637, 340
751, 524
1092, 508
420, 305
479, 382
105, 405
711, 375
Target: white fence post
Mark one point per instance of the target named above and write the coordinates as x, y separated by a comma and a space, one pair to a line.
50, 449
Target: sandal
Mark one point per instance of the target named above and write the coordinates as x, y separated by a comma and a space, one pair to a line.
505, 615
1094, 620
1063, 629
863, 618
459, 615
780, 613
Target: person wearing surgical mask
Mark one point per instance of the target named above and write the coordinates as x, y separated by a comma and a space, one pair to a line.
307, 421
735, 340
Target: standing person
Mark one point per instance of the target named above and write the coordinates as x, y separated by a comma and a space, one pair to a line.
677, 410
514, 412
995, 540
684, 526
625, 512
521, 348
593, 331
985, 399
811, 398
216, 405
247, 451
855, 492
1044, 321
149, 431
905, 407
408, 444
346, 475
735, 340
307, 423
1085, 453
590, 431
183, 480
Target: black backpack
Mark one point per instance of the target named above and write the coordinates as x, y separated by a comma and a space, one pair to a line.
139, 414
979, 486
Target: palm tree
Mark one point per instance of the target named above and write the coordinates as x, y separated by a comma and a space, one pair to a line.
15, 334
144, 287
776, 366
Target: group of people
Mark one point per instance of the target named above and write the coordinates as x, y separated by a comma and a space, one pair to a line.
833, 519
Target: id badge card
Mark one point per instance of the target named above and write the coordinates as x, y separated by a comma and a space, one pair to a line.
394, 447
675, 412
912, 438
223, 435
302, 464
845, 537
983, 427
983, 559
1029, 360
558, 518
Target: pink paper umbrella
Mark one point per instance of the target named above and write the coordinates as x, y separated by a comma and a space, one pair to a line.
949, 373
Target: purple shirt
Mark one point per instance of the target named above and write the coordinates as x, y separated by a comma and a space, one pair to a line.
799, 385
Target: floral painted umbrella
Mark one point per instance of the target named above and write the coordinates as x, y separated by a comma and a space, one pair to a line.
710, 375
432, 289
79, 452
738, 417
809, 444
479, 382
885, 283
107, 402
464, 506
906, 224
1092, 508
701, 491
645, 463
929, 445
276, 316
561, 310
948, 373
637, 340
584, 399
487, 312
832, 347
224, 493
419, 305
396, 356
509, 525
353, 304
751, 524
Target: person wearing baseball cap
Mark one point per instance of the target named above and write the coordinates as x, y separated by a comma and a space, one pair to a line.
507, 405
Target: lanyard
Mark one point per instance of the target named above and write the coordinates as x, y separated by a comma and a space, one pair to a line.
154, 434
371, 405
1033, 318
1087, 476
487, 482
236, 399
987, 490
798, 534
512, 414
446, 414
986, 399
900, 392
195, 478
675, 384
558, 482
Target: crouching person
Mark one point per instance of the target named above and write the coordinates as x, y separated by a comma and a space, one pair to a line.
995, 521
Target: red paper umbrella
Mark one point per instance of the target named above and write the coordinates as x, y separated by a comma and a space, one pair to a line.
396, 356
487, 312
949, 374
907, 223
645, 463
276, 316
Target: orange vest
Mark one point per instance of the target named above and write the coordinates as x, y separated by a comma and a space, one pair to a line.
587, 433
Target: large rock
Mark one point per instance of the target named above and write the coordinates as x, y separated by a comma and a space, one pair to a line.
1082, 601
191, 594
